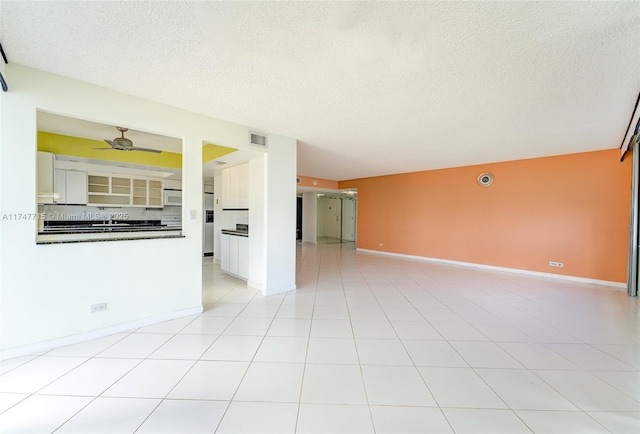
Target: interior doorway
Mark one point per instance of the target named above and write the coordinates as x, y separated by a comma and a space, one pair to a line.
336, 218
298, 218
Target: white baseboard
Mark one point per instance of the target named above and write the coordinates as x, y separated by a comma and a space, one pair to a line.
274, 291
255, 285
617, 285
269, 291
82, 337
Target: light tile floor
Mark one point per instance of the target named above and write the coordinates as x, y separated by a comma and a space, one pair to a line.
366, 344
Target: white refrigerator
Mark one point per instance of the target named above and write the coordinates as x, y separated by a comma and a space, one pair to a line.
207, 242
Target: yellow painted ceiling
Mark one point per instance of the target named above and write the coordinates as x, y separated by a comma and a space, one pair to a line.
211, 152
86, 148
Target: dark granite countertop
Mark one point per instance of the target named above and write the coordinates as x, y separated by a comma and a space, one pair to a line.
99, 229
241, 230
100, 226
119, 238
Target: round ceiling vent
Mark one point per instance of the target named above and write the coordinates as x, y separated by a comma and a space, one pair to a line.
485, 179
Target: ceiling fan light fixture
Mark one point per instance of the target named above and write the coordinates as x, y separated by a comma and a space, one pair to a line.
124, 144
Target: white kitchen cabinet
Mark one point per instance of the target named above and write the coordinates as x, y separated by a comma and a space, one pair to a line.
235, 187
155, 194
243, 257
224, 248
226, 188
60, 185
76, 187
147, 193
234, 257
234, 264
71, 186
45, 177
243, 186
109, 190
234, 183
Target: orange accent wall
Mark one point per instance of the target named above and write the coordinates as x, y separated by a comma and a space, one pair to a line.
570, 208
307, 181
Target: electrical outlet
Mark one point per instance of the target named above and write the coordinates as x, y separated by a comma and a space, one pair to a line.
556, 264
380, 244
99, 307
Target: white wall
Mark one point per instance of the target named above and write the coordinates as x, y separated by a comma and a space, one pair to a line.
257, 224
309, 217
47, 290
280, 215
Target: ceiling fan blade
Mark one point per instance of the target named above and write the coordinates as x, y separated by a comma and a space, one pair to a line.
124, 144
135, 148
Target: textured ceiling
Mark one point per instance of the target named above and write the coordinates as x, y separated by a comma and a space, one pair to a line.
366, 88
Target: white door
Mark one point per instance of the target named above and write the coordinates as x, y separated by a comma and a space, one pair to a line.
334, 219
348, 220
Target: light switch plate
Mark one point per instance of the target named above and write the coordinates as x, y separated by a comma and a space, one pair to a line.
192, 214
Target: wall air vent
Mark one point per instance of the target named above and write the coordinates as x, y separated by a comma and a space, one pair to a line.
258, 139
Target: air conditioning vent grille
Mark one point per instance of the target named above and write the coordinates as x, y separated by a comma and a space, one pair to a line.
258, 139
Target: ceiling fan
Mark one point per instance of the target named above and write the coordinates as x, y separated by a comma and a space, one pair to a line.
123, 144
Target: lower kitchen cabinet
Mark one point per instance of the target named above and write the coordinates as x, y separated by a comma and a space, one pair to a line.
224, 249
234, 257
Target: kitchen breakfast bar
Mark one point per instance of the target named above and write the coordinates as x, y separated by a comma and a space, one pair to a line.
73, 231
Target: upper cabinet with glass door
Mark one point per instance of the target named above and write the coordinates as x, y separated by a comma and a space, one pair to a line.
109, 190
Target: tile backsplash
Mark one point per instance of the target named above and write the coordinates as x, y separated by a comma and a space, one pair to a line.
79, 212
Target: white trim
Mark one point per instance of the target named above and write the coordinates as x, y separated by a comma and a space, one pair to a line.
619, 285
237, 276
267, 292
82, 337
255, 285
